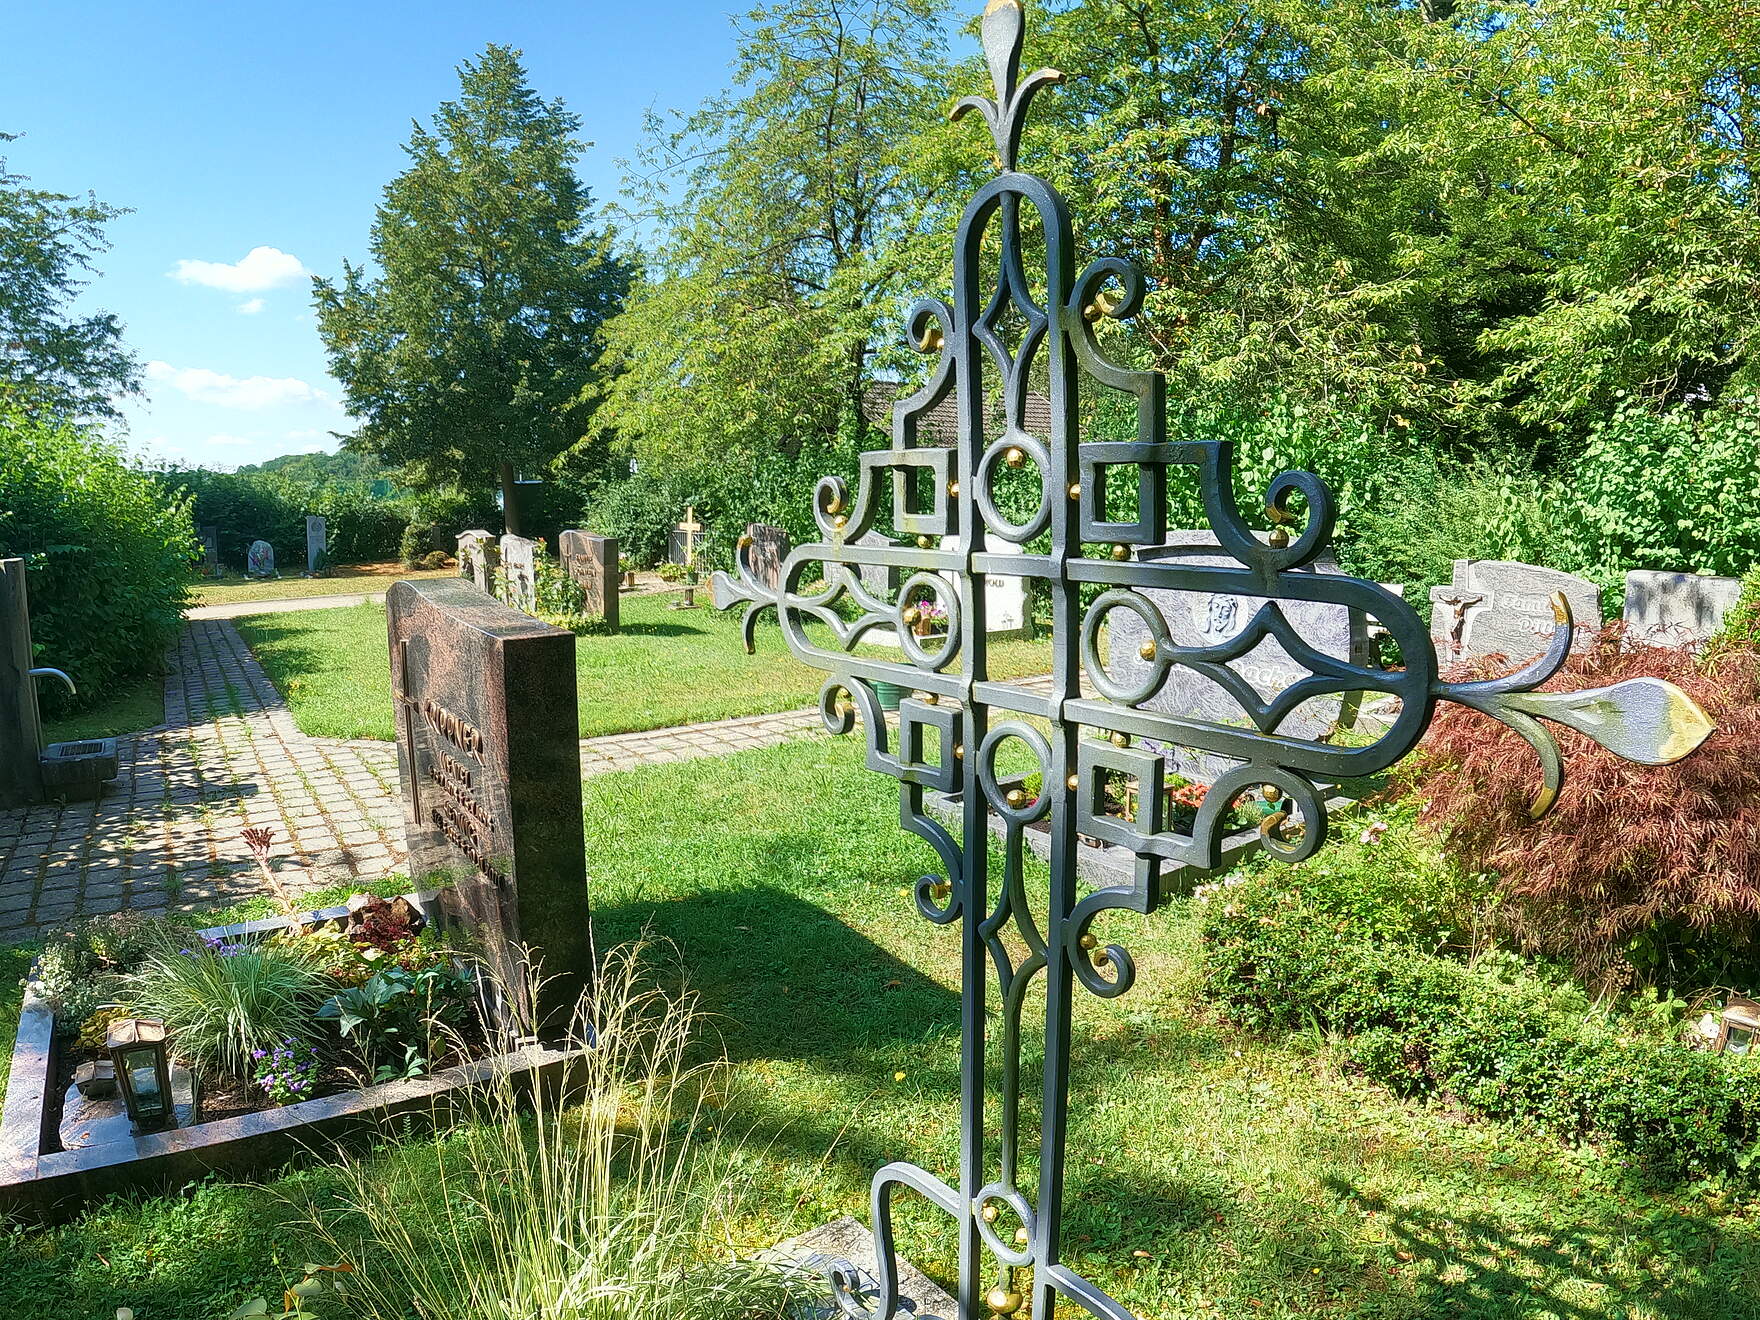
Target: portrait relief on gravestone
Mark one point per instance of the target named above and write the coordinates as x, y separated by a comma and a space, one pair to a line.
489, 763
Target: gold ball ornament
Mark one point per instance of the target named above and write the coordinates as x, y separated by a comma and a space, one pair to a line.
1002, 1301
1015, 797
1147, 649
1121, 740
1014, 456
1074, 782
923, 543
1121, 552
991, 1214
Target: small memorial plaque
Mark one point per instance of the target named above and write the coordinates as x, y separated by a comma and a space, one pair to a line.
770, 547
488, 752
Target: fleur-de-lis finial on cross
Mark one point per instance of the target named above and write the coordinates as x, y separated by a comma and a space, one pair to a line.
1003, 31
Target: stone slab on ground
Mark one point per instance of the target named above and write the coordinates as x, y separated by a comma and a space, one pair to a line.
1677, 609
846, 1240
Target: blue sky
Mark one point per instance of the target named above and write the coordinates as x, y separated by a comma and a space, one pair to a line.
252, 142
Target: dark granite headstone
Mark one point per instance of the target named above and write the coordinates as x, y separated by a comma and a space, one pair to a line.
591, 560
519, 564
210, 538
1203, 619
770, 546
488, 751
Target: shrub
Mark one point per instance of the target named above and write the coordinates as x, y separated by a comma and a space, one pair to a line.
106, 554
436, 559
250, 506
221, 1002
1516, 1048
416, 543
1632, 857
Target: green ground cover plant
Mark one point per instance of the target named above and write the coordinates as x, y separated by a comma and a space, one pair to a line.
666, 667
141, 705
1216, 1170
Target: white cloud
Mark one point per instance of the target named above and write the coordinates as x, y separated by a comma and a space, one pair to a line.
225, 391
261, 268
251, 307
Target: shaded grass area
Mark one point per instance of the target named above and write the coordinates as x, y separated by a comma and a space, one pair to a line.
139, 706
341, 580
665, 667
1212, 1173
15, 961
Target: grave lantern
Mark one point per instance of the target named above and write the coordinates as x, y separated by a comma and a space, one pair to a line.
1740, 1026
143, 1070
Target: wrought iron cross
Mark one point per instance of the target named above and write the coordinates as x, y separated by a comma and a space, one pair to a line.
1079, 733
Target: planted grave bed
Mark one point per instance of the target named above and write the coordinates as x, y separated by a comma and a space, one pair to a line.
278, 1034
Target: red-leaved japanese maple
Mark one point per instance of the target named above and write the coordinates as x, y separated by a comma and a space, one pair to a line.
1628, 849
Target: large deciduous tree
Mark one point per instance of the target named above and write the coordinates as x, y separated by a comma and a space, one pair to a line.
54, 360
785, 212
467, 355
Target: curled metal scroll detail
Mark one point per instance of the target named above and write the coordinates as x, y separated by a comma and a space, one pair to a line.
844, 606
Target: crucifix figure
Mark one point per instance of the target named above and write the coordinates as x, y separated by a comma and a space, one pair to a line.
690, 527
1034, 942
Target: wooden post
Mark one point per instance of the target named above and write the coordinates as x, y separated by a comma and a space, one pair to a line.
21, 732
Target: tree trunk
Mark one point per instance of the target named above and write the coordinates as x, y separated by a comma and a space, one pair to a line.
1436, 11
510, 500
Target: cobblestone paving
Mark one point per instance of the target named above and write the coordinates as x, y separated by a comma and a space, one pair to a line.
168, 834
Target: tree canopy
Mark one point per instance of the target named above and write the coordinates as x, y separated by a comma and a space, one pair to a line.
56, 361
467, 355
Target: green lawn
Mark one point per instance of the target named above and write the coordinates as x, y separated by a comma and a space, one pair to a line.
140, 706
665, 667
1213, 1173
343, 580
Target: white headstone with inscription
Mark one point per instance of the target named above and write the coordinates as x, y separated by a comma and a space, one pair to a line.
1500, 607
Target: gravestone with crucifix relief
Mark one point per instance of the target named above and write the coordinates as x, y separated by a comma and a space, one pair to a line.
488, 754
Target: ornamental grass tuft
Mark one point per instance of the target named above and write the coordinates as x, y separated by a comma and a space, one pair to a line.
221, 1002
595, 1198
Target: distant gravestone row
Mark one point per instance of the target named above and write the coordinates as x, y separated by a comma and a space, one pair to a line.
507, 568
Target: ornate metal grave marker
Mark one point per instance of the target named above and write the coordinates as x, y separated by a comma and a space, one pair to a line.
1005, 931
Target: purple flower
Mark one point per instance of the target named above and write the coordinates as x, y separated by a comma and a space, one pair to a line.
256, 1054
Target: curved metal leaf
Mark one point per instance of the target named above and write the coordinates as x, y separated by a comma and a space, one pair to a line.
1646, 720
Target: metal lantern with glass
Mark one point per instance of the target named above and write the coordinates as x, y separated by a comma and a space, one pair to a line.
143, 1070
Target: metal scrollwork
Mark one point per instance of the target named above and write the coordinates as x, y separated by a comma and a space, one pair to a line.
1079, 730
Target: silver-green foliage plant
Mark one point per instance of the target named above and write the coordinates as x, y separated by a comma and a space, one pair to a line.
219, 1002
591, 1199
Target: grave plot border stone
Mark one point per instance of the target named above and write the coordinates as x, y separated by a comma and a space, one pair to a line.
48, 1185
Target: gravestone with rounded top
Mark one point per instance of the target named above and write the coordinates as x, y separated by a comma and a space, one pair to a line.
770, 547
317, 544
478, 558
1209, 619
260, 561
488, 755
1501, 607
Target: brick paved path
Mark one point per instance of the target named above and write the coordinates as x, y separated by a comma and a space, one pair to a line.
168, 832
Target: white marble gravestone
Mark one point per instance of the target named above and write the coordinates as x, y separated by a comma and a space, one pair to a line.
519, 561
1677, 609
1206, 619
1005, 597
1500, 607
478, 558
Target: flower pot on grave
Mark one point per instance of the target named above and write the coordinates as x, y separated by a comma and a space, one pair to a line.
888, 695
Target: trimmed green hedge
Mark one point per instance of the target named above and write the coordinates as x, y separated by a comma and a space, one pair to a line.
1516, 1048
107, 556
251, 506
